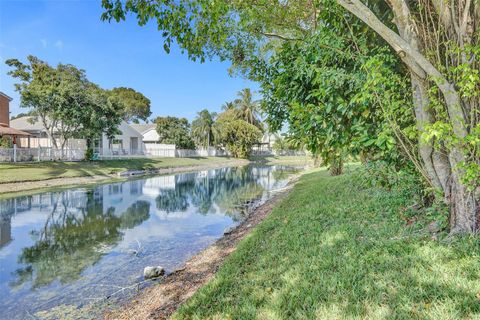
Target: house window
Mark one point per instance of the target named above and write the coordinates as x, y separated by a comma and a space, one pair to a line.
116, 144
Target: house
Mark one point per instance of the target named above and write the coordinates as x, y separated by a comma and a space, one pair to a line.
151, 141
5, 129
148, 131
265, 145
128, 142
38, 135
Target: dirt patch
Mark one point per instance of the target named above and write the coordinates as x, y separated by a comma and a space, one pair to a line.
161, 300
77, 181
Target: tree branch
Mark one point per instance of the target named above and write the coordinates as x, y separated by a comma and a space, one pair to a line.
416, 61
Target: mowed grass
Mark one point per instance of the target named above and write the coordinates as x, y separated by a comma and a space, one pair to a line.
336, 250
18, 172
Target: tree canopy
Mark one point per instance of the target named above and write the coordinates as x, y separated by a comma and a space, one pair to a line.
172, 130
64, 101
435, 45
135, 106
202, 128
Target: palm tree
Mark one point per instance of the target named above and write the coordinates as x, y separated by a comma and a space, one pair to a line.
202, 128
228, 106
248, 108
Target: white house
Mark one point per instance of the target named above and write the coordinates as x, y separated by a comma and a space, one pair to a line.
148, 131
151, 141
129, 142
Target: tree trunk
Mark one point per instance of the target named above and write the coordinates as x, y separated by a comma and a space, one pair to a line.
464, 208
336, 167
444, 172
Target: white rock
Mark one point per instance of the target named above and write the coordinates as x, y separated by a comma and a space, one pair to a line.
153, 272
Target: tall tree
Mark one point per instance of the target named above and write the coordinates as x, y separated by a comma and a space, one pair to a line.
172, 130
248, 108
437, 41
63, 100
135, 106
202, 128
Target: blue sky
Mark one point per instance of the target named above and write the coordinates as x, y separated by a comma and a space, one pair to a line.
113, 55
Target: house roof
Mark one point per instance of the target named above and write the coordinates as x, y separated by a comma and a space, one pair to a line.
142, 128
7, 131
4, 95
25, 124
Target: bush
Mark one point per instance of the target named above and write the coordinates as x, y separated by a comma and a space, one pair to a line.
89, 154
5, 142
238, 136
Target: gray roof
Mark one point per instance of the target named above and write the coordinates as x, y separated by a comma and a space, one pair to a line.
142, 128
25, 124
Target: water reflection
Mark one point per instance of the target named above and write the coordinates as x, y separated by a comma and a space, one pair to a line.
75, 238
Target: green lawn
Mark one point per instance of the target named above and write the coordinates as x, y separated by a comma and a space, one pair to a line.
18, 172
336, 250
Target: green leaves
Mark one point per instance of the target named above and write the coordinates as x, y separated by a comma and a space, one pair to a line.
175, 131
64, 101
135, 106
236, 135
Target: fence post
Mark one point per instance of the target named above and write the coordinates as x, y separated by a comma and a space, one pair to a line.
14, 152
38, 153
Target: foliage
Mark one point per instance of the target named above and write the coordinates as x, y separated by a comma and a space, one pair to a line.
89, 154
286, 143
372, 263
21, 115
202, 128
326, 53
172, 130
247, 108
64, 101
236, 135
6, 142
135, 106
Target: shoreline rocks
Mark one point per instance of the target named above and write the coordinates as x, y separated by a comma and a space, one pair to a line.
153, 272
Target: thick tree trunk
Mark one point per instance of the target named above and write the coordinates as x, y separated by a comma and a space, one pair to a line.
464, 208
444, 172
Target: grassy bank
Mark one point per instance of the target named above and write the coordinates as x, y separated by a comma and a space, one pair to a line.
18, 172
336, 250
37, 171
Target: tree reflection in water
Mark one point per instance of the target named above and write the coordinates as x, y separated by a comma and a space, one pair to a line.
73, 238
82, 226
227, 189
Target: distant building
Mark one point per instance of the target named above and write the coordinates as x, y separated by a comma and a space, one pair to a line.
5, 129
128, 142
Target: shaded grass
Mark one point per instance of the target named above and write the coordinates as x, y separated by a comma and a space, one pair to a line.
335, 250
17, 172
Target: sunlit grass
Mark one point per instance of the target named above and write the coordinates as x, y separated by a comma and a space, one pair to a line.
335, 250
35, 171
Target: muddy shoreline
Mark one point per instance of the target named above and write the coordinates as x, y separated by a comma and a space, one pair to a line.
162, 299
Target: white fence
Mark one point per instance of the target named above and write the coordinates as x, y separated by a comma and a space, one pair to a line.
160, 151
209, 152
40, 154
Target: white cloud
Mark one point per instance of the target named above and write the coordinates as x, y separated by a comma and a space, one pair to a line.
59, 45
44, 42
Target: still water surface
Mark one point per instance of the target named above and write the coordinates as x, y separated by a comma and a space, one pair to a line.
78, 246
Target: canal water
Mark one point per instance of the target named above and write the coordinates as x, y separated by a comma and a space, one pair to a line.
68, 249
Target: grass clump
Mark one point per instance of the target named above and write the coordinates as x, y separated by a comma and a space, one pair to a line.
337, 249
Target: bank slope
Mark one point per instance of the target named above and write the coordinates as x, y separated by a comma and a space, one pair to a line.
334, 249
